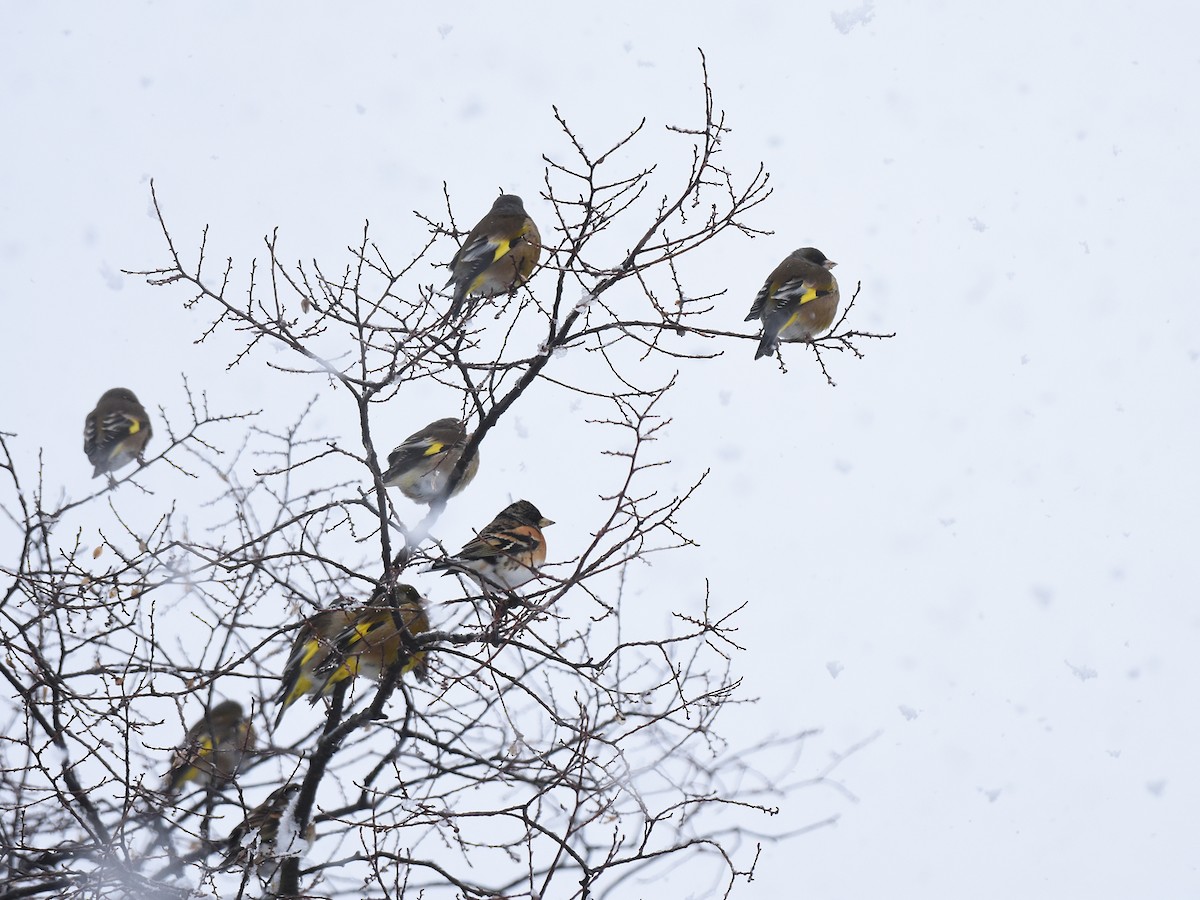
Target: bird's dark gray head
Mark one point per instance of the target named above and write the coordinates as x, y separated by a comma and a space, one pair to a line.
813, 255
449, 430
229, 709
526, 512
406, 594
509, 205
119, 394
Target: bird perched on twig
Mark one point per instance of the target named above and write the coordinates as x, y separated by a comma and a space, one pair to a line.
421, 465
116, 432
507, 552
342, 643
256, 838
498, 255
379, 637
798, 300
310, 648
213, 748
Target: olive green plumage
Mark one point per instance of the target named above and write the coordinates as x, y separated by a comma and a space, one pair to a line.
349, 641
798, 301
213, 748
422, 464
498, 255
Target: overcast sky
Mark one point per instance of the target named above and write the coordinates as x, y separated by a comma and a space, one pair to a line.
981, 545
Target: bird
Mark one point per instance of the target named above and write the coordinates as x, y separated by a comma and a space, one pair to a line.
507, 552
116, 432
213, 748
422, 464
798, 300
377, 638
310, 648
341, 643
498, 255
259, 831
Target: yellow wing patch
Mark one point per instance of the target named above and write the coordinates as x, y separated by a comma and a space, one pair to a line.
808, 296
361, 631
502, 248
348, 669
303, 685
310, 650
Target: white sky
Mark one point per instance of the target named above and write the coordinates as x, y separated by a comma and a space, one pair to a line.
995, 504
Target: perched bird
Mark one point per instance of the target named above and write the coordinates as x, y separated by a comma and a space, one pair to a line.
377, 638
254, 839
498, 255
310, 649
342, 643
422, 464
507, 553
798, 301
116, 431
212, 749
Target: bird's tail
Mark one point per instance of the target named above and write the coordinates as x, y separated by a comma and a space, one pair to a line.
766, 347
460, 294
284, 701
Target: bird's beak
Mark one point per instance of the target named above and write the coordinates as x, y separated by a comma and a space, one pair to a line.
545, 522
829, 264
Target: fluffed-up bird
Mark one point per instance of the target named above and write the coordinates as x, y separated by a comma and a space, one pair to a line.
498, 255
213, 748
421, 465
116, 432
507, 552
798, 301
346, 643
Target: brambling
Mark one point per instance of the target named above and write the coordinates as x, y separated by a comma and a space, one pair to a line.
505, 554
254, 840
